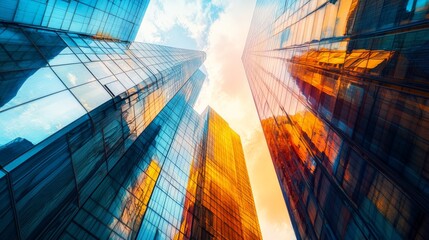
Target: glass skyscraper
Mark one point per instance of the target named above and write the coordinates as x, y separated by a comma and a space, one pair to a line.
341, 88
102, 19
224, 207
98, 137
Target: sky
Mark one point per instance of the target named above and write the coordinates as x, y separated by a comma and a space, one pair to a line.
219, 27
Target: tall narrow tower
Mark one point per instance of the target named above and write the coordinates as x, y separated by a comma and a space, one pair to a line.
224, 196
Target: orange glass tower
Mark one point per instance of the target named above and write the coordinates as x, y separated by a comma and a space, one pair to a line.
341, 88
224, 197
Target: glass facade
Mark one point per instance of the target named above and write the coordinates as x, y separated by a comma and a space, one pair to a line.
341, 90
99, 139
224, 206
102, 19
143, 195
89, 77
71, 108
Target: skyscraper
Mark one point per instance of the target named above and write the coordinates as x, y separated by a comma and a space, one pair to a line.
342, 94
102, 19
98, 137
66, 123
224, 207
204, 190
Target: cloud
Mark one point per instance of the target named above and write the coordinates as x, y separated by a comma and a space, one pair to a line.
192, 17
277, 231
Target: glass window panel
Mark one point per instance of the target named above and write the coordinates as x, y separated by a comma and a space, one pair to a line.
98, 69
113, 67
21, 87
30, 12
329, 21
123, 65
63, 59
93, 57
421, 10
7, 223
125, 80
318, 21
82, 57
116, 88
8, 9
79, 42
107, 80
74, 74
308, 27
142, 74
70, 12
154, 69
342, 18
91, 95
132, 63
134, 77
69, 42
39, 119
57, 17
17, 52
52, 47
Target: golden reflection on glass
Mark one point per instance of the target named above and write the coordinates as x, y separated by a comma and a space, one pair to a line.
358, 60
152, 105
350, 78
135, 200
283, 154
220, 201
224, 207
343, 15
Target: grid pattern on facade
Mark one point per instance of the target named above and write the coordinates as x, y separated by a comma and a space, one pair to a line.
74, 118
103, 18
225, 207
82, 74
143, 195
341, 90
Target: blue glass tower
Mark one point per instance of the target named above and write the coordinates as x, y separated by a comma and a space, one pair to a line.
104, 18
144, 193
71, 107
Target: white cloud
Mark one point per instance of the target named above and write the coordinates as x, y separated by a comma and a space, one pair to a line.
277, 230
193, 17
227, 90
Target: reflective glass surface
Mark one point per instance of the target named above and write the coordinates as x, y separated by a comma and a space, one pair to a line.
32, 88
69, 74
39, 119
148, 179
91, 84
103, 19
224, 207
341, 89
65, 125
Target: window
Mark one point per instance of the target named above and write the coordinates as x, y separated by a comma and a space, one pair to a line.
74, 74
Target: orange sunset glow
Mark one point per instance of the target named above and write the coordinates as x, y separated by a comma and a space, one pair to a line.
214, 119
